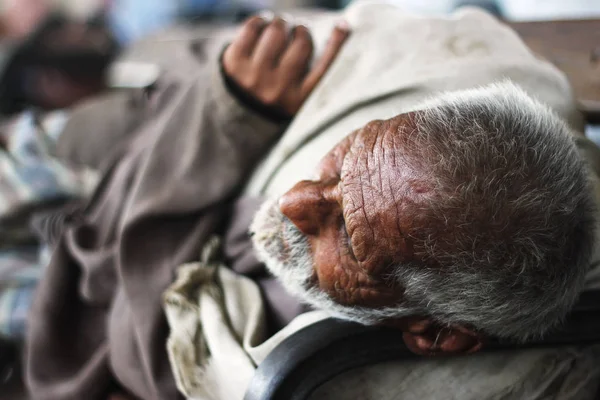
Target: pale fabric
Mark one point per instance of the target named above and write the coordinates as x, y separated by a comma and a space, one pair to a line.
129, 75
81, 9
509, 375
217, 326
391, 63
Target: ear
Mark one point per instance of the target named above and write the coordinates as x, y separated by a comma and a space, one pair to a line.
424, 337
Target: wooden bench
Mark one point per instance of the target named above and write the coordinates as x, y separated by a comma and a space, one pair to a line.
574, 47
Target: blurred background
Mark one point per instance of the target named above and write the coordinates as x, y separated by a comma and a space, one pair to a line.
132, 19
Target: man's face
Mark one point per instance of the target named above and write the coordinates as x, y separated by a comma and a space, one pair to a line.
335, 242
340, 235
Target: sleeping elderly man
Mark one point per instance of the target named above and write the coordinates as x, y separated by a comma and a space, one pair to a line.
428, 174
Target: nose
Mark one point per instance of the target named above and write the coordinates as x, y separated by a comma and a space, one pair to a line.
310, 205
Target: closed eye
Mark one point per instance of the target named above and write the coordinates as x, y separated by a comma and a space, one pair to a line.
346, 242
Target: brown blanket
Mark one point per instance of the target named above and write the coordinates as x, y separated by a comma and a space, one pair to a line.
97, 320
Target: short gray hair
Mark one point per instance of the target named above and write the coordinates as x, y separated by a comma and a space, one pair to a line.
505, 242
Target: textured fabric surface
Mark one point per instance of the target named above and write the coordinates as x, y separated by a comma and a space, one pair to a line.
218, 325
20, 271
559, 374
97, 318
32, 177
32, 180
212, 313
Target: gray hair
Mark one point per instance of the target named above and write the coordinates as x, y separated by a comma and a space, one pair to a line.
505, 242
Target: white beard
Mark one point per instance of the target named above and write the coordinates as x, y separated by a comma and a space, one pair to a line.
286, 253
283, 248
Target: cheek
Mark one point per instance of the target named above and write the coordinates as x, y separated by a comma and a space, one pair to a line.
340, 276
327, 258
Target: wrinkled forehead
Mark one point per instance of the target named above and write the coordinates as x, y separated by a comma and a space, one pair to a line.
383, 144
377, 135
382, 190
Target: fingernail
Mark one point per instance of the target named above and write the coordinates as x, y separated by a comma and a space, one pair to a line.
343, 25
294, 30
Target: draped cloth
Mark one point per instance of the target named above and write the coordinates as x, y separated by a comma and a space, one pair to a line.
97, 321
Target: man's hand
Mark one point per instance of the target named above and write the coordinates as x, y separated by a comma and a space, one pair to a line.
273, 66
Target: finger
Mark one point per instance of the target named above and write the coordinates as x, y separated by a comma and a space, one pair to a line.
245, 41
271, 44
336, 40
295, 60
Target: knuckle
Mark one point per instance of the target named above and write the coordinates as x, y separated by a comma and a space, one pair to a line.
230, 68
276, 30
278, 24
229, 55
275, 33
250, 29
272, 97
301, 32
303, 40
252, 82
254, 23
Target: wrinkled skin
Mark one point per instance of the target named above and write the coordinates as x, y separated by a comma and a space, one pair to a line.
357, 214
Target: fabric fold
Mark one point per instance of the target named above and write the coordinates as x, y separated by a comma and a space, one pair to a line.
217, 327
213, 314
97, 318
